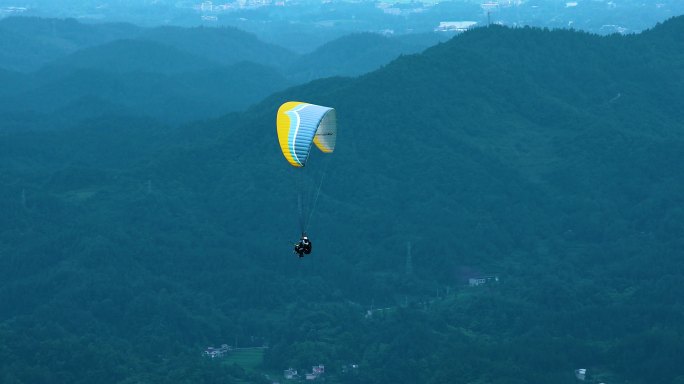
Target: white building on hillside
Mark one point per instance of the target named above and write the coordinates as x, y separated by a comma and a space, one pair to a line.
290, 374
455, 26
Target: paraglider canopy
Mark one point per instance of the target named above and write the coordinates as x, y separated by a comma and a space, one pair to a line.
302, 124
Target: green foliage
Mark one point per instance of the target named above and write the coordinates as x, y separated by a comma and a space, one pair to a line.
551, 158
171, 74
356, 54
29, 42
224, 45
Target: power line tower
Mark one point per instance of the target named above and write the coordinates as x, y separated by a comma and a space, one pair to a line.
409, 259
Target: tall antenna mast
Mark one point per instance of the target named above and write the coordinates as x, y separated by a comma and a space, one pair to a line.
409, 259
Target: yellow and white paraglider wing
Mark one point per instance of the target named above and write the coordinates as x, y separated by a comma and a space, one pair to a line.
326, 135
301, 124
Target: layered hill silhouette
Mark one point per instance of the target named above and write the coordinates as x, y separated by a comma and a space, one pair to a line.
29, 43
194, 73
142, 78
224, 45
123, 56
548, 158
357, 54
170, 98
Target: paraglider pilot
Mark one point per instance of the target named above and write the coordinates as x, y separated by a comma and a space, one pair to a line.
303, 247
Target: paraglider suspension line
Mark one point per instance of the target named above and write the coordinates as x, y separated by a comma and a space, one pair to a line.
318, 192
300, 200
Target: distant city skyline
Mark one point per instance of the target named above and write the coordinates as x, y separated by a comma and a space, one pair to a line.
322, 20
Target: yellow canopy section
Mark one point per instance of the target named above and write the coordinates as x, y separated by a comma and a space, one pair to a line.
300, 125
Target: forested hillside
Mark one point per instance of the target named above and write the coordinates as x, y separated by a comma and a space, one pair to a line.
357, 54
64, 71
549, 159
225, 45
29, 42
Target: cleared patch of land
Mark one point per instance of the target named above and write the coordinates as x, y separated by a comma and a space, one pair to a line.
247, 358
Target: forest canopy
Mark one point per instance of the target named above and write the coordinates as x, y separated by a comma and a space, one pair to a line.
546, 162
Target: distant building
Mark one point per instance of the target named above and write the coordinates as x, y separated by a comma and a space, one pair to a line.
581, 374
455, 26
290, 374
612, 28
392, 11
477, 281
489, 5
221, 351
207, 6
316, 372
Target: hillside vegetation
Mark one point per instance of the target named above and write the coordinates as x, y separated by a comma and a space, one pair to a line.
64, 71
550, 159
